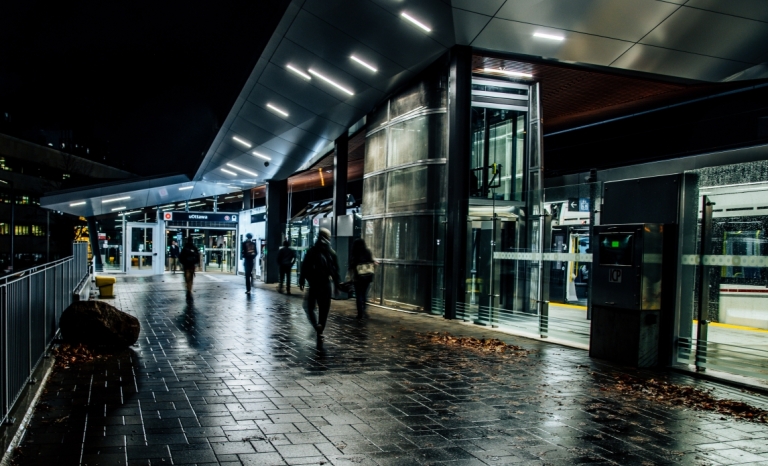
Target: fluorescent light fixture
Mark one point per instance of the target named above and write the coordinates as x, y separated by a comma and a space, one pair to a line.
542, 35
367, 65
245, 143
299, 72
261, 155
105, 201
508, 73
77, 203
118, 208
184, 188
241, 169
331, 82
130, 213
415, 21
281, 112
228, 172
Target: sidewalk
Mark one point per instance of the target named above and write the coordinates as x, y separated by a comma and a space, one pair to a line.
228, 378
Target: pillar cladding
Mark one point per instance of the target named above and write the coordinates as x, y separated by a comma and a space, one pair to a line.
93, 237
277, 216
247, 199
340, 178
457, 182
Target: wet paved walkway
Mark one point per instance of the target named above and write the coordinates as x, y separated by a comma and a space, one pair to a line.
232, 379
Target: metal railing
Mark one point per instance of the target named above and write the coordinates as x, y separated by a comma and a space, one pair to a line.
31, 303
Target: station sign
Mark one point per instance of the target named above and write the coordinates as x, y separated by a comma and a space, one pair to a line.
199, 217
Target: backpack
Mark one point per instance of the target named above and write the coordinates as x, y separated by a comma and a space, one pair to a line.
188, 257
249, 249
285, 256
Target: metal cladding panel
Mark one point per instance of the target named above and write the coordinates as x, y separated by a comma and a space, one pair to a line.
324, 126
336, 48
248, 131
305, 94
712, 34
434, 13
484, 7
673, 63
625, 20
272, 121
304, 139
381, 30
752, 9
517, 37
468, 25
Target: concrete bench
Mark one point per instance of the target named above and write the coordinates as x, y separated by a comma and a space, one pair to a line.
106, 286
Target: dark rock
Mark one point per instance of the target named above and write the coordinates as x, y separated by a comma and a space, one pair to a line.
98, 323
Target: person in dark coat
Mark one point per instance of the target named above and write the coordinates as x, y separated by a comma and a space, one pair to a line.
321, 269
189, 258
362, 281
173, 252
248, 253
286, 257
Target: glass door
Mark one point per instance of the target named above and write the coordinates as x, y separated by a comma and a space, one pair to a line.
141, 241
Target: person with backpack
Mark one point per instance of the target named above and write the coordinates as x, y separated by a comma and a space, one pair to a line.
286, 257
248, 254
173, 251
361, 266
321, 269
189, 258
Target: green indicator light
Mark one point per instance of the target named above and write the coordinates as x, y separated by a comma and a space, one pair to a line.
614, 244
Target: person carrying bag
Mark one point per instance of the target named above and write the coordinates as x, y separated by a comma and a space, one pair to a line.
361, 268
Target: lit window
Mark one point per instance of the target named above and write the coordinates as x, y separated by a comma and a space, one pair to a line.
5, 229
21, 230
64, 176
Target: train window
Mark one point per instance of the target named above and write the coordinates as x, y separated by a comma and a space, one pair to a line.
742, 243
616, 249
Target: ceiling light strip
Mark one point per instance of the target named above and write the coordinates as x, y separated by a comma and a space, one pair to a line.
241, 169
367, 65
299, 72
280, 111
416, 22
107, 201
118, 208
331, 82
77, 203
261, 155
508, 73
184, 188
542, 35
229, 172
245, 143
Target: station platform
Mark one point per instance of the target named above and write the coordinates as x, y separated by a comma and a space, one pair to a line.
236, 379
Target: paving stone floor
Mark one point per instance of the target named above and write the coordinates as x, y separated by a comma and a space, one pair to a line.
231, 379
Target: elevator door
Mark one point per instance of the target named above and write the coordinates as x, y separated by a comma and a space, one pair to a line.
142, 258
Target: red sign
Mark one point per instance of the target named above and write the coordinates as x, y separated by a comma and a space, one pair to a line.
102, 236
168, 216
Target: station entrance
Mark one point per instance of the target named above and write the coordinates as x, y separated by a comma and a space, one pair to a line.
213, 233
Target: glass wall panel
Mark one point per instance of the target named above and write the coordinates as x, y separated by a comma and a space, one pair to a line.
497, 153
723, 316
409, 238
405, 286
376, 152
373, 234
374, 195
418, 138
407, 189
430, 93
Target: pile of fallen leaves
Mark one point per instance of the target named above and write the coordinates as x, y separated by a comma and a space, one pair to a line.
68, 354
670, 394
490, 345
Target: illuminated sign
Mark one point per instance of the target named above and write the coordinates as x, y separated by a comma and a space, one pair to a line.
200, 216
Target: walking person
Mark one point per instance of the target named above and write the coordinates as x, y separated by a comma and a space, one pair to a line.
286, 257
248, 254
361, 266
321, 269
173, 252
189, 258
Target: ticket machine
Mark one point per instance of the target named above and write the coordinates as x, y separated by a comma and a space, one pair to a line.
626, 293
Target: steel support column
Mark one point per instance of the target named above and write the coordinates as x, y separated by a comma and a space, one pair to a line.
277, 198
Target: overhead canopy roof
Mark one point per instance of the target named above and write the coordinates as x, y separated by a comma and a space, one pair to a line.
307, 89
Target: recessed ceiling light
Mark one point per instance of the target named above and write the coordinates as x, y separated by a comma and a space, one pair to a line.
245, 143
184, 188
299, 72
415, 21
331, 82
367, 65
261, 155
542, 35
105, 201
228, 172
118, 208
77, 203
509, 73
281, 112
241, 169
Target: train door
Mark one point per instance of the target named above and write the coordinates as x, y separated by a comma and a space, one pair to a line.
559, 272
578, 272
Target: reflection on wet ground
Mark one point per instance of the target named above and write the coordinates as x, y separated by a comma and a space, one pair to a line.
229, 378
